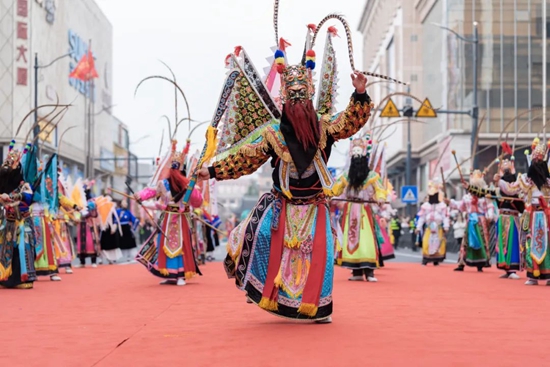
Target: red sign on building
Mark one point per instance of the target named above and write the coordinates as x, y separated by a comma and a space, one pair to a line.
22, 31
21, 49
23, 8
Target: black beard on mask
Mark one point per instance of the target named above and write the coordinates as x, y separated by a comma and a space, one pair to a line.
10, 179
433, 199
358, 172
538, 173
509, 177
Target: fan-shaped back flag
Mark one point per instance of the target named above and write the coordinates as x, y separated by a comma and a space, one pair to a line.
85, 69
105, 210
77, 194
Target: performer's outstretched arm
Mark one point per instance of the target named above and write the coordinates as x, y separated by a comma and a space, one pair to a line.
345, 124
243, 162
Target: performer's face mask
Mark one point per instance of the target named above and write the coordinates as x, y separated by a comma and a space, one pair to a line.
357, 152
296, 83
297, 94
11, 159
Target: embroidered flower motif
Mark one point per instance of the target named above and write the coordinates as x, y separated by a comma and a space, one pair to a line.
307, 245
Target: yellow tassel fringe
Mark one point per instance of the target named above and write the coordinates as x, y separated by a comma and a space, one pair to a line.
286, 193
211, 144
283, 153
308, 309
164, 272
278, 279
268, 304
536, 273
294, 243
5, 273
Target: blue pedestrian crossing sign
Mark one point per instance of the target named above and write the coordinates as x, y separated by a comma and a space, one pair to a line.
409, 194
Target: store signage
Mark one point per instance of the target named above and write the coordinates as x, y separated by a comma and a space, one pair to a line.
50, 6
77, 49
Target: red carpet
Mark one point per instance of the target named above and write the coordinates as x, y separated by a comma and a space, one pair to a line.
414, 316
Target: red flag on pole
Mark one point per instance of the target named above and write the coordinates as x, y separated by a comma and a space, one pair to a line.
85, 69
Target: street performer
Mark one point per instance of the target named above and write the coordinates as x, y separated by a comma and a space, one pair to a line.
364, 193
474, 250
535, 188
434, 213
282, 255
510, 207
17, 253
168, 253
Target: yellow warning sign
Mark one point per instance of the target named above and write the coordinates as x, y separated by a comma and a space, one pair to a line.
426, 110
390, 110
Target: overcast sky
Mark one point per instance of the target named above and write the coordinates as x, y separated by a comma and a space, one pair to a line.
193, 38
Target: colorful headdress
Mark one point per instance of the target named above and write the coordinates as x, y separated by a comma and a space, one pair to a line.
14, 155
434, 187
476, 173
507, 163
538, 150
178, 158
360, 147
297, 75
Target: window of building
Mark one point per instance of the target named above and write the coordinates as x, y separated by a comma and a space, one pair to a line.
123, 138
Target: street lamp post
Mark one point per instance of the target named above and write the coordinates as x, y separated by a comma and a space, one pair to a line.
408, 112
474, 112
475, 108
36, 129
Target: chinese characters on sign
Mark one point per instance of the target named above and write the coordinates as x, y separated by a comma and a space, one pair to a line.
22, 43
50, 6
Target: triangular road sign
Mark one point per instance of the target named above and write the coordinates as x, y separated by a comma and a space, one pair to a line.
409, 196
426, 110
390, 110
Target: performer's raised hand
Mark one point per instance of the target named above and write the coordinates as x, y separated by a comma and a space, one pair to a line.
203, 174
359, 81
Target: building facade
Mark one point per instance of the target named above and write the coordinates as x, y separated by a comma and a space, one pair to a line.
403, 39
58, 33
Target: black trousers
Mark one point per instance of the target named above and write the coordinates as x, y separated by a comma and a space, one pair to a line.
396, 237
361, 272
83, 257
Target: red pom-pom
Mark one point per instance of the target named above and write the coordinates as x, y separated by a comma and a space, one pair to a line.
280, 68
310, 53
238, 50
506, 148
